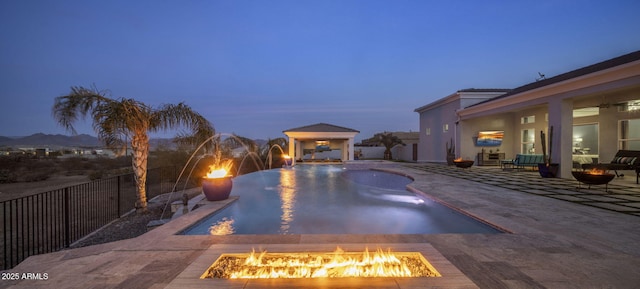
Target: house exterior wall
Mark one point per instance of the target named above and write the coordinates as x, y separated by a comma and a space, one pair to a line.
434, 138
432, 144
404, 152
469, 132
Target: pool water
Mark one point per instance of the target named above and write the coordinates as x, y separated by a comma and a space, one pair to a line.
327, 199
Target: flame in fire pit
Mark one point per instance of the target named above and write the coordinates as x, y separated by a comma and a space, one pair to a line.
219, 171
596, 171
321, 265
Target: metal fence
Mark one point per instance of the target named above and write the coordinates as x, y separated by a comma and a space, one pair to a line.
53, 220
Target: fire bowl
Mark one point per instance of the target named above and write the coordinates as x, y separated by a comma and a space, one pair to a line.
217, 189
463, 164
592, 179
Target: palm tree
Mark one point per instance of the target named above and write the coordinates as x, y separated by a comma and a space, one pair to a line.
236, 141
118, 120
388, 140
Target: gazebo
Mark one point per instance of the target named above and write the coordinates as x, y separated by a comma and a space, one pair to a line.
321, 141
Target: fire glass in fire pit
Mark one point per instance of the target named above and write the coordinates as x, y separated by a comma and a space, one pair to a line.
320, 265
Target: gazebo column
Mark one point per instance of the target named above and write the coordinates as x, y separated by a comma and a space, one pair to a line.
292, 150
300, 149
350, 149
343, 151
561, 118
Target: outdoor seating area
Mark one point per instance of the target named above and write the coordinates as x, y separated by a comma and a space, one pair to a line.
623, 160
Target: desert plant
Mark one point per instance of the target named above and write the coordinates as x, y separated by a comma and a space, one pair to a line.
547, 169
543, 138
451, 150
451, 153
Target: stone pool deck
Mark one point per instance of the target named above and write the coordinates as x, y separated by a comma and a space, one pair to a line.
559, 237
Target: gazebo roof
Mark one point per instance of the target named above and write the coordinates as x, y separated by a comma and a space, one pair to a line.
321, 127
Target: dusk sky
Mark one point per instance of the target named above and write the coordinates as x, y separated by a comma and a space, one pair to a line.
256, 68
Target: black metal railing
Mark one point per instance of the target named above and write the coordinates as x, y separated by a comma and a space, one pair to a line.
53, 220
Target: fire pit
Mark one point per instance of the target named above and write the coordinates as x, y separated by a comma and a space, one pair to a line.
217, 184
593, 177
463, 163
321, 265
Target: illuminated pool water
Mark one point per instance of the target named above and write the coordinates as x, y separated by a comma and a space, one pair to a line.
327, 199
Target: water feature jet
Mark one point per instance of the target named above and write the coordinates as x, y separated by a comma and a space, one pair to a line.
217, 156
288, 161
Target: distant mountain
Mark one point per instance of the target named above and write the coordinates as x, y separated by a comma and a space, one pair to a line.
41, 139
83, 140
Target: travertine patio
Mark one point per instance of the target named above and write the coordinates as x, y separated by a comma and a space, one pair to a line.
559, 238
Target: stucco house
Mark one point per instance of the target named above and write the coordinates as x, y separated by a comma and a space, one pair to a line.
595, 111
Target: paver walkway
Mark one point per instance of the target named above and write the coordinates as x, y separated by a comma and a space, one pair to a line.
554, 242
618, 196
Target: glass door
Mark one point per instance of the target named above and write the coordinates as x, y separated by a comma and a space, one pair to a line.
528, 141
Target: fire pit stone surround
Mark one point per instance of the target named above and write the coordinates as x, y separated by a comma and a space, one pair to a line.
190, 277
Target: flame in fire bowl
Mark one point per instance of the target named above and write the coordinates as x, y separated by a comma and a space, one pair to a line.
449, 273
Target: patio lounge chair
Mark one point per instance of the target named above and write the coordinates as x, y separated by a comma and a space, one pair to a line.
623, 160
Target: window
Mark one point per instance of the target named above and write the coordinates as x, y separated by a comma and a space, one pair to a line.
585, 139
427, 131
528, 141
528, 119
629, 138
445, 127
322, 145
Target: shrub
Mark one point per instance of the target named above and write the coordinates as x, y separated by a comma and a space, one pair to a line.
37, 175
7, 176
95, 175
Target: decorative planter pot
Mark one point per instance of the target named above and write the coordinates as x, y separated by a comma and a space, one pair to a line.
217, 189
463, 164
550, 171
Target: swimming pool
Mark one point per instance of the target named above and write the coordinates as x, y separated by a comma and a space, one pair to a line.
327, 199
